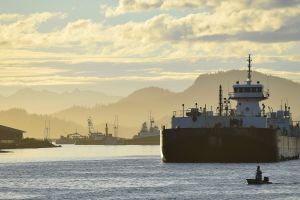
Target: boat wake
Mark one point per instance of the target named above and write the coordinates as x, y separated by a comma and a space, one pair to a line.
293, 183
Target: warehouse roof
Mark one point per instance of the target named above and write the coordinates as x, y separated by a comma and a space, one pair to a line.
11, 129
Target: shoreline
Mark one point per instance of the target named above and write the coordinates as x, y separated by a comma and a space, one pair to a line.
28, 143
3, 151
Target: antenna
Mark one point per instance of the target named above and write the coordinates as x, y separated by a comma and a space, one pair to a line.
106, 129
249, 69
116, 126
90, 125
264, 109
220, 101
47, 130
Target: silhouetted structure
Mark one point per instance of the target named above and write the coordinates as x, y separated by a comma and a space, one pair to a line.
147, 136
10, 135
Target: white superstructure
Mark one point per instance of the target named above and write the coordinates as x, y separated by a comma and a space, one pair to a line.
248, 112
145, 132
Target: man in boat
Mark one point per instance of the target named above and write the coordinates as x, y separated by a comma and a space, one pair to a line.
258, 176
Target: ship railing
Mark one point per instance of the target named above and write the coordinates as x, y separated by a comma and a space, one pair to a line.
230, 113
180, 113
183, 113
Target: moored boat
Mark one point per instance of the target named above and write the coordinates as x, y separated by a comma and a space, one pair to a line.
146, 136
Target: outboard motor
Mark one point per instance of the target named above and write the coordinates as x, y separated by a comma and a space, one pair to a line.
266, 179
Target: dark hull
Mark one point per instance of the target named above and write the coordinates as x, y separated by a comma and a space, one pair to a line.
65, 141
226, 145
151, 140
89, 142
107, 141
256, 182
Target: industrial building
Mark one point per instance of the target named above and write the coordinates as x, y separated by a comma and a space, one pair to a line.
10, 135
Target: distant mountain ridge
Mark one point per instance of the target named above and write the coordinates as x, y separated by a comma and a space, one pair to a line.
44, 101
135, 108
34, 124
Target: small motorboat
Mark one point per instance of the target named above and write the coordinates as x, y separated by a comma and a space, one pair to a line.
258, 182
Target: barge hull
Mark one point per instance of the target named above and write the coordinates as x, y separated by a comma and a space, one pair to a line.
239, 145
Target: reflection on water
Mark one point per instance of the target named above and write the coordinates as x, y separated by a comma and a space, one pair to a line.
78, 152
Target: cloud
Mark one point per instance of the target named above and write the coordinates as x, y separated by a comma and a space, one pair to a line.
292, 75
23, 31
36, 76
132, 6
28, 71
267, 4
43, 76
46, 80
43, 80
7, 17
225, 32
33, 76
228, 31
228, 22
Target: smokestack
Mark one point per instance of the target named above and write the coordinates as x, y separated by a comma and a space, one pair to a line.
106, 129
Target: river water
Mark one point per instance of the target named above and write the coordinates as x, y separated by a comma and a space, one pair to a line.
134, 172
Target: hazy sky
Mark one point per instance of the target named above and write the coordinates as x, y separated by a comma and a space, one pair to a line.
119, 46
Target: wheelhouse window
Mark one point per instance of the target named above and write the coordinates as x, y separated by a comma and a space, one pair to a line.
259, 89
248, 89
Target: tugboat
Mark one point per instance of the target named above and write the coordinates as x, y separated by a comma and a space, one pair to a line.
245, 134
258, 178
147, 136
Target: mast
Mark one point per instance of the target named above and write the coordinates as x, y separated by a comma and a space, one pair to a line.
47, 130
116, 126
151, 120
90, 125
220, 101
249, 70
